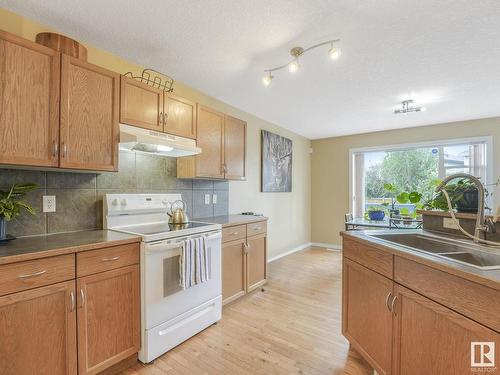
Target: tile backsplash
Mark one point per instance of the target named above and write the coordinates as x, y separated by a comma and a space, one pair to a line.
79, 195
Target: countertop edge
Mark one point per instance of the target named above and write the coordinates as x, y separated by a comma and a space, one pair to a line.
237, 220
67, 250
425, 259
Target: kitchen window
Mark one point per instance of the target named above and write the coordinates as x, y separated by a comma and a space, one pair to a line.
414, 167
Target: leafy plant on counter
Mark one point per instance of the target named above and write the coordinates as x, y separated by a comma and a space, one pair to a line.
456, 192
404, 197
11, 203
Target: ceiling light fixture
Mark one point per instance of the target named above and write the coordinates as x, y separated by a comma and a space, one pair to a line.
293, 65
408, 107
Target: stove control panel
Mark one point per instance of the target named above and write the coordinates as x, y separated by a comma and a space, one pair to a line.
126, 204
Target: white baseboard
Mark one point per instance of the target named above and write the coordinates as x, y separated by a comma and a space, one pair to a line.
327, 246
331, 247
294, 250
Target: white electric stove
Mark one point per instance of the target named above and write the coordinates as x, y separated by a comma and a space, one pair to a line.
169, 314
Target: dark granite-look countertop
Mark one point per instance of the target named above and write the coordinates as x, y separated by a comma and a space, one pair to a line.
230, 220
27, 248
490, 278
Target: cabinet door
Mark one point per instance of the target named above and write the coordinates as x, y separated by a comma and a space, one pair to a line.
38, 331
235, 135
365, 295
432, 339
233, 270
141, 105
89, 116
210, 137
180, 116
108, 318
29, 102
256, 262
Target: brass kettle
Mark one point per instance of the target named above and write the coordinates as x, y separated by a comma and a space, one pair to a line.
177, 213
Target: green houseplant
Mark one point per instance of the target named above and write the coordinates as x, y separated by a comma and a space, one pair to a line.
11, 205
463, 195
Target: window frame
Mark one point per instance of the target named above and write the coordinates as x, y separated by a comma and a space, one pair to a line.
488, 140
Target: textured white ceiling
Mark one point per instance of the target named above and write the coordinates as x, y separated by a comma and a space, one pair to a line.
444, 54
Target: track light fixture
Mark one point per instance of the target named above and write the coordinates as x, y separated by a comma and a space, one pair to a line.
334, 52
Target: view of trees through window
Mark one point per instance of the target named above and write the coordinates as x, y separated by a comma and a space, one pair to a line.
413, 169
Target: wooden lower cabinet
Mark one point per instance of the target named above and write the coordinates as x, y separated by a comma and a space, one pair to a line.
256, 262
38, 331
108, 318
402, 332
432, 339
366, 295
244, 259
233, 266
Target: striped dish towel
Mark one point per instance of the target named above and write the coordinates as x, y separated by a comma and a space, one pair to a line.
194, 263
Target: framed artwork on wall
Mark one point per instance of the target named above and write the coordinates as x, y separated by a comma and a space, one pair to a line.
276, 163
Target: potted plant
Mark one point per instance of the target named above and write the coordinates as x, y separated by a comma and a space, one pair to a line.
376, 213
463, 196
11, 205
393, 192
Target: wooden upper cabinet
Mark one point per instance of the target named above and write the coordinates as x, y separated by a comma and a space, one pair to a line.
108, 318
235, 134
432, 339
29, 102
39, 331
210, 137
89, 128
180, 116
366, 318
141, 105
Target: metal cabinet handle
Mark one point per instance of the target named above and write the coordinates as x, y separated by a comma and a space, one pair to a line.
73, 301
110, 259
64, 150
245, 248
28, 276
234, 234
162, 118
393, 304
387, 301
257, 228
82, 298
55, 148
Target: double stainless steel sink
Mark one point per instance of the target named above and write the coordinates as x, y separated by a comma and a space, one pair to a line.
461, 251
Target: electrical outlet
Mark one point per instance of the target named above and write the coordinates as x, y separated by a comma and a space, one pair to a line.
449, 223
49, 203
214, 199
207, 198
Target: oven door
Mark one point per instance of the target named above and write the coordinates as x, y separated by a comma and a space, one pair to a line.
163, 298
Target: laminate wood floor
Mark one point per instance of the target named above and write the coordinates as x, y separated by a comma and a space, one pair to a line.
293, 327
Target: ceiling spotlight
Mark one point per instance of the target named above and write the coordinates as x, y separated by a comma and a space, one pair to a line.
266, 80
408, 107
293, 66
334, 53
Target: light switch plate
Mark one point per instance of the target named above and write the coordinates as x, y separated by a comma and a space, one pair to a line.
49, 203
207, 198
449, 223
214, 199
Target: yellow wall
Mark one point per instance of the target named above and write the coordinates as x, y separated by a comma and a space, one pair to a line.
289, 213
330, 167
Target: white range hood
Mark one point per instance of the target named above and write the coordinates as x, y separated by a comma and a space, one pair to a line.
151, 142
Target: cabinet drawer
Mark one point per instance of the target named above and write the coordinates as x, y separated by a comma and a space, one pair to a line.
16, 277
94, 261
370, 257
256, 228
473, 300
234, 233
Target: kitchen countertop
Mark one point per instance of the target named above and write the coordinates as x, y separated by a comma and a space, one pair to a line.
490, 278
230, 220
28, 248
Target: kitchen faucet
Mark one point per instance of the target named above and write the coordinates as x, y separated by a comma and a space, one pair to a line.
482, 224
